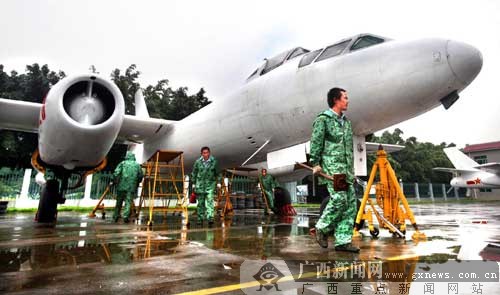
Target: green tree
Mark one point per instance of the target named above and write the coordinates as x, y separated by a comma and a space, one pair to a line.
162, 101
16, 147
128, 85
414, 163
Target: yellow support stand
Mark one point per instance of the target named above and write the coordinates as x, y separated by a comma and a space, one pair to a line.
389, 195
164, 183
100, 205
224, 193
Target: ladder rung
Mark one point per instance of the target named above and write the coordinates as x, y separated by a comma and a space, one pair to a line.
168, 194
167, 179
167, 166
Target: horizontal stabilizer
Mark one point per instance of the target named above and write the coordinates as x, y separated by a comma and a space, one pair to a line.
449, 170
493, 167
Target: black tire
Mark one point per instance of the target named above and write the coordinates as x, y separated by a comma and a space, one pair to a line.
47, 206
281, 198
374, 232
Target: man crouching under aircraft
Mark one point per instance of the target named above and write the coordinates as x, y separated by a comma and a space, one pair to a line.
331, 152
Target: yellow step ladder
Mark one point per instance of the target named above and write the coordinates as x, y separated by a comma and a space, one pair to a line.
163, 186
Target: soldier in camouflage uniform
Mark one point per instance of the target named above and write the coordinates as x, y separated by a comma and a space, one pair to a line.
268, 183
128, 174
331, 152
206, 176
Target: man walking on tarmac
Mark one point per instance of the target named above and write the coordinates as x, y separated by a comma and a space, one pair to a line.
205, 178
331, 153
128, 174
268, 183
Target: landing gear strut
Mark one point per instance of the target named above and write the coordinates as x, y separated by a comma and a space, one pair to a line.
50, 196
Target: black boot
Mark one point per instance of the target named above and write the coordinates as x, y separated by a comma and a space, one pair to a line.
347, 248
321, 238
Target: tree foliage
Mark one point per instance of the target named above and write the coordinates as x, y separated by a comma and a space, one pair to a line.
415, 162
16, 147
162, 101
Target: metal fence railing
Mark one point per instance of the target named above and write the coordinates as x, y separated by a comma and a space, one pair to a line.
11, 183
244, 185
432, 190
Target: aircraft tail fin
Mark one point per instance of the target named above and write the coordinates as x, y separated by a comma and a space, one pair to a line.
459, 160
141, 110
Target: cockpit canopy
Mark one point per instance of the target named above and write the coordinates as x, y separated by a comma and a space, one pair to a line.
342, 47
276, 61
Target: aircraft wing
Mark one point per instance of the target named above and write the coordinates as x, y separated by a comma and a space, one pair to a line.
372, 147
23, 116
138, 130
493, 167
19, 115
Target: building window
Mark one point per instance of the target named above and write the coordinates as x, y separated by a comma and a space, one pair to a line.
482, 159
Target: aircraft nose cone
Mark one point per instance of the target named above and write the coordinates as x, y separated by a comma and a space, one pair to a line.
465, 61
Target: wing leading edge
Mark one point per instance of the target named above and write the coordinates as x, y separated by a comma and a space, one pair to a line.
24, 116
19, 115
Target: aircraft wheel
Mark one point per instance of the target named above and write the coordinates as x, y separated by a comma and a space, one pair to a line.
374, 232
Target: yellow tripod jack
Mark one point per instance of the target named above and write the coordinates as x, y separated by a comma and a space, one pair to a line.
388, 196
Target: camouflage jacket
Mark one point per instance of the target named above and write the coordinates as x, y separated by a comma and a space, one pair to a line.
128, 174
268, 182
205, 176
331, 145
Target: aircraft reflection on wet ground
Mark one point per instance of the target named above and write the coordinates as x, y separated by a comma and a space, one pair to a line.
82, 255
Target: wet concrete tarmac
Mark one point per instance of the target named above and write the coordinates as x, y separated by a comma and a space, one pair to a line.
81, 255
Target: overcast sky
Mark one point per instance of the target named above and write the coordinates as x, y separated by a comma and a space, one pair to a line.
217, 44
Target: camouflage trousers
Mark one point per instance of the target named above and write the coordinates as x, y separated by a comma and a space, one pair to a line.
120, 197
339, 215
205, 208
270, 198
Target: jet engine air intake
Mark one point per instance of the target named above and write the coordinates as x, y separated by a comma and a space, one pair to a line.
88, 103
83, 116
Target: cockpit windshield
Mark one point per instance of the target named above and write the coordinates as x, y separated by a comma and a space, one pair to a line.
366, 41
344, 46
276, 61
